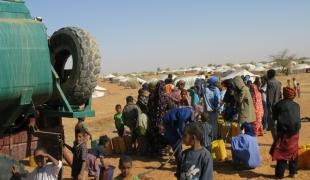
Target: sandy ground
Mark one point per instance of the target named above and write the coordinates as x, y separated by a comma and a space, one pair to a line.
103, 124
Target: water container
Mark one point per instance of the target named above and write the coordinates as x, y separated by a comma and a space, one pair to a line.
218, 150
32, 162
106, 174
235, 129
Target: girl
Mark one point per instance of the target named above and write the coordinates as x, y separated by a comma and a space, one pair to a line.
285, 147
184, 98
196, 162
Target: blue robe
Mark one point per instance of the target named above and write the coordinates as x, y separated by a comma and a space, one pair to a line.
245, 150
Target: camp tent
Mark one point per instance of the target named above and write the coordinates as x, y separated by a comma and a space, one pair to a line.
241, 73
189, 80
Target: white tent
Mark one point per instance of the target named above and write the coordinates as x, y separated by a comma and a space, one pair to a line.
189, 80
241, 73
165, 76
301, 67
99, 88
259, 69
109, 76
97, 94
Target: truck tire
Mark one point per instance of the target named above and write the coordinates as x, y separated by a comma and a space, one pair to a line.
6, 165
79, 83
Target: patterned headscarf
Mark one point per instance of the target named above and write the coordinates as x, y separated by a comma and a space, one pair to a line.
289, 93
180, 82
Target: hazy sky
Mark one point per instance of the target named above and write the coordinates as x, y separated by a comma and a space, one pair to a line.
138, 35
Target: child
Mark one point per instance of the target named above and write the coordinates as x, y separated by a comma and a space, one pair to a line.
184, 98
298, 90
45, 170
79, 150
196, 162
207, 129
125, 165
285, 146
94, 153
118, 118
82, 126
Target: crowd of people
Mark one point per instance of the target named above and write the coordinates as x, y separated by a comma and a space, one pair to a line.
166, 116
172, 115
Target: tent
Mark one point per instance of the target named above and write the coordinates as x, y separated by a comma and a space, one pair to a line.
189, 80
99, 88
301, 67
259, 69
97, 94
109, 76
241, 73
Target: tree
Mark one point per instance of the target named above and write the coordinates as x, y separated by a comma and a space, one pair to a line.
284, 60
158, 69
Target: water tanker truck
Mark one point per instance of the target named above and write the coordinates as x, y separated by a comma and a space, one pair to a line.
37, 88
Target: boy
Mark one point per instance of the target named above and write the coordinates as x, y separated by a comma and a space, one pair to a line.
79, 150
94, 153
131, 114
125, 165
285, 146
118, 119
207, 129
45, 170
82, 126
196, 162
298, 90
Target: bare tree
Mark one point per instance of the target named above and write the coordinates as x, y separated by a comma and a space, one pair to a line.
284, 60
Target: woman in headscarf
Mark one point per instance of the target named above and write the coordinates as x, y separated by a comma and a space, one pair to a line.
184, 98
245, 149
212, 98
285, 146
246, 112
143, 101
259, 109
230, 109
158, 105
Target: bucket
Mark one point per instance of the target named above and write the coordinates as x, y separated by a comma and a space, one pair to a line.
106, 174
32, 162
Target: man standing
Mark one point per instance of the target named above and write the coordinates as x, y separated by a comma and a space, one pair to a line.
273, 97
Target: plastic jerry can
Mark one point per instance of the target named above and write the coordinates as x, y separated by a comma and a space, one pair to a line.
218, 150
235, 129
